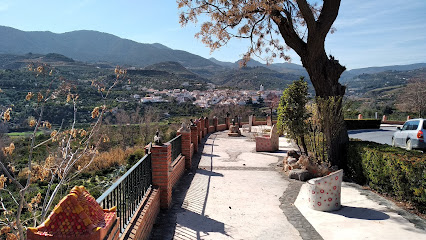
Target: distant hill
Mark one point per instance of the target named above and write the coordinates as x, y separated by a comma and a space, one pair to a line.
93, 46
13, 61
171, 67
366, 82
253, 77
279, 67
176, 70
105, 50
348, 75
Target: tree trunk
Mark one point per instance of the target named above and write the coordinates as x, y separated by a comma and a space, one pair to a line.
325, 73
305, 148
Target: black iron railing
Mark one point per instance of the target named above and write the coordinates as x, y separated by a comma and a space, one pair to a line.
176, 147
128, 191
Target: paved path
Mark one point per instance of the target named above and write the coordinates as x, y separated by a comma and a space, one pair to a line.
235, 193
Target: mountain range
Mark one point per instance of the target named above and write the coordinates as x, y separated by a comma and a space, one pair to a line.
103, 50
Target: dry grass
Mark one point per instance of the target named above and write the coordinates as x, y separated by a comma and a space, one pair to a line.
112, 158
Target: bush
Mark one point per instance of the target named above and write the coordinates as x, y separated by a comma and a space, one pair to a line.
135, 157
352, 124
393, 171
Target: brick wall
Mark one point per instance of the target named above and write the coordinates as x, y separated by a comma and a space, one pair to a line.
140, 225
221, 127
211, 129
177, 171
259, 123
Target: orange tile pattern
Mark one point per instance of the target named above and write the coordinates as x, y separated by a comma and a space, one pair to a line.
77, 214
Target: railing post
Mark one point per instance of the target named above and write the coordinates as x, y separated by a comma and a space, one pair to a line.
185, 133
215, 123
161, 157
254, 120
194, 137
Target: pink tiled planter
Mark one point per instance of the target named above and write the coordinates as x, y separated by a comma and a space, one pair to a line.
324, 192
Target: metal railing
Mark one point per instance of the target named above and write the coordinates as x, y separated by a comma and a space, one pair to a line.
128, 191
176, 147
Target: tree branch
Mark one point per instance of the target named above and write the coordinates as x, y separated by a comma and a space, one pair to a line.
307, 14
286, 28
327, 17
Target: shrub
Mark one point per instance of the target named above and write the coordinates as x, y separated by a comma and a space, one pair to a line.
389, 170
352, 124
135, 157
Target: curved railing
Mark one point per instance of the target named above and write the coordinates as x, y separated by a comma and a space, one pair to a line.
128, 191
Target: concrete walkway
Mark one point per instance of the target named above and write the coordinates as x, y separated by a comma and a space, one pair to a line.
236, 193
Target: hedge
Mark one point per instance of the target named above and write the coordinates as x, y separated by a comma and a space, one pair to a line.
389, 170
352, 124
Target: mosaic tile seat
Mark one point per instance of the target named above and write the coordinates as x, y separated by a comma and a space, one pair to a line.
268, 143
324, 192
77, 216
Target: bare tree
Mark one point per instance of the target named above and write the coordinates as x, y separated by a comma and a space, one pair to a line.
59, 168
412, 98
148, 124
303, 25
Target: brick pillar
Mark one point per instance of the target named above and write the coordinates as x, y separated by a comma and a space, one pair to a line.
227, 122
408, 117
359, 116
203, 124
199, 131
384, 118
194, 137
269, 120
254, 120
161, 157
206, 126
215, 123
186, 145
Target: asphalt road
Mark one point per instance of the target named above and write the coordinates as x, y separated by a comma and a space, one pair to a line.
382, 135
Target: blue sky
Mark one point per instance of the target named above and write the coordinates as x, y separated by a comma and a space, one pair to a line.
369, 32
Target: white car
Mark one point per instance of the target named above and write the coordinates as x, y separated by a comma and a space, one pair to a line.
411, 135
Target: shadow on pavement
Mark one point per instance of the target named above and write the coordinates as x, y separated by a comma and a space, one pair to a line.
191, 225
361, 213
209, 173
210, 155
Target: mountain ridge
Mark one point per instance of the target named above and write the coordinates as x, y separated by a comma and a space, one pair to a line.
110, 50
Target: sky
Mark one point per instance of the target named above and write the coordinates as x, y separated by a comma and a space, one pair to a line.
369, 32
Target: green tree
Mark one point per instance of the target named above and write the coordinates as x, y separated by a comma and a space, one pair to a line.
303, 25
292, 114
